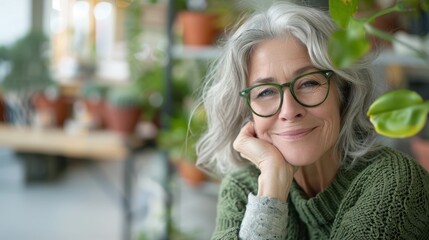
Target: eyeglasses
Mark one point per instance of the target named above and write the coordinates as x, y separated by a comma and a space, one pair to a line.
309, 90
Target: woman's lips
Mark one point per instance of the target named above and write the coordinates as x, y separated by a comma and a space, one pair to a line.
295, 134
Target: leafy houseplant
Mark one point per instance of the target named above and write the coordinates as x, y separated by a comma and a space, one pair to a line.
93, 91
29, 61
124, 97
151, 85
146, 64
180, 141
29, 74
397, 114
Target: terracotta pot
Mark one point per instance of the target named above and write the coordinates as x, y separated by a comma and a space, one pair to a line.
60, 107
190, 173
121, 120
96, 109
2, 109
420, 150
199, 28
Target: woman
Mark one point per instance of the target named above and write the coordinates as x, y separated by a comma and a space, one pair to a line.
289, 132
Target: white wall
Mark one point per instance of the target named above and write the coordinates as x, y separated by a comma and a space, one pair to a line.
15, 20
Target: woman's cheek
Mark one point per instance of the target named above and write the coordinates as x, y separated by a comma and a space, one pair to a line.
263, 134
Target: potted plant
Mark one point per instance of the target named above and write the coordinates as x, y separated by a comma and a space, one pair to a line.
179, 140
351, 43
151, 85
52, 102
93, 96
202, 21
145, 59
29, 74
198, 26
123, 109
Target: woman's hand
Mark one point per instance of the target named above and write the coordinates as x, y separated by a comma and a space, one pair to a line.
276, 173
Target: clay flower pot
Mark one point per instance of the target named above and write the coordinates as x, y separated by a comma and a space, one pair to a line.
59, 106
420, 150
190, 173
96, 109
122, 120
199, 28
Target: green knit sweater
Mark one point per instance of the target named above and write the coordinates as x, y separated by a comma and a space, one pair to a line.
387, 198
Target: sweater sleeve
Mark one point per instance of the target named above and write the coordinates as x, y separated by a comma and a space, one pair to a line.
231, 207
265, 218
389, 201
237, 202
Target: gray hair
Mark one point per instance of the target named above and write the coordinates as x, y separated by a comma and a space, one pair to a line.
227, 113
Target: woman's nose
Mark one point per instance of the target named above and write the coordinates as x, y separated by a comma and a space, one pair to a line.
290, 109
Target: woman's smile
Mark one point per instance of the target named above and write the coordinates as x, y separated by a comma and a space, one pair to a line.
294, 134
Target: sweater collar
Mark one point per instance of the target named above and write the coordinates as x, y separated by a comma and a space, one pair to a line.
321, 209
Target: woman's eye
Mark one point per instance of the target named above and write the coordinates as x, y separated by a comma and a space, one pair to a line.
264, 92
309, 84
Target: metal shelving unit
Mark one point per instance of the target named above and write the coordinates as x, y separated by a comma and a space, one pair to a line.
173, 52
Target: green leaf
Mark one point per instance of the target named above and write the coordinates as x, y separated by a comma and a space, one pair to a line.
342, 10
416, 4
425, 5
398, 114
347, 46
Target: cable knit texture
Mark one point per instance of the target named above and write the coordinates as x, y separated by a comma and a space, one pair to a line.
386, 198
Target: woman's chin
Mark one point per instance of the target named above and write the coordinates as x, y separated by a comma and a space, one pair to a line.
298, 157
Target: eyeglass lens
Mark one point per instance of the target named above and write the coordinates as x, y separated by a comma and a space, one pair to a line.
308, 90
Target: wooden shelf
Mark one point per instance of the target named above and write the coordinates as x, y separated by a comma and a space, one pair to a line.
201, 53
389, 57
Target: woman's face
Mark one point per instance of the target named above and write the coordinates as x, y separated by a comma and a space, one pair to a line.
303, 135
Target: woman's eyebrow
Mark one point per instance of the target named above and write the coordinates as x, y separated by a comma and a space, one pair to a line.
304, 70
263, 80
295, 74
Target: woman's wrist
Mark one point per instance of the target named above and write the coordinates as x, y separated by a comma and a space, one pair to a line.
275, 182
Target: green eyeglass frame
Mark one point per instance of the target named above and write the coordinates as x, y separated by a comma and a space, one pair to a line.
245, 93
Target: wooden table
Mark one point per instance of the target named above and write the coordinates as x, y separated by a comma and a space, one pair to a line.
95, 145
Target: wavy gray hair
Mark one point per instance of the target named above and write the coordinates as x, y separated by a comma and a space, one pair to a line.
227, 112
